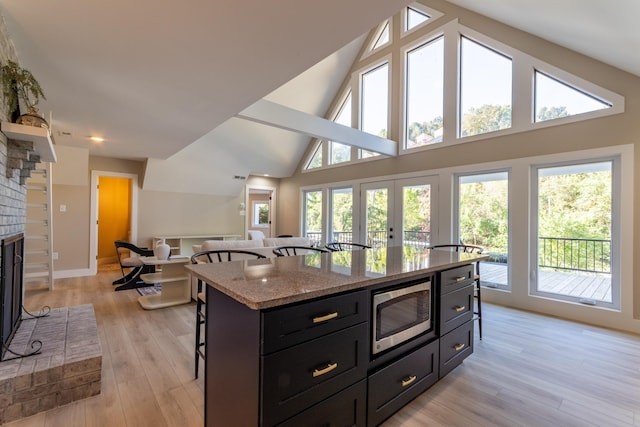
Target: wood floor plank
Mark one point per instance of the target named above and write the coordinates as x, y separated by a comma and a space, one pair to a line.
528, 370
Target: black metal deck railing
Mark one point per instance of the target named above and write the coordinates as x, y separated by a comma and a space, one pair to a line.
562, 253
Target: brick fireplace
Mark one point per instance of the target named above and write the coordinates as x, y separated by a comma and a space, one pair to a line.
68, 366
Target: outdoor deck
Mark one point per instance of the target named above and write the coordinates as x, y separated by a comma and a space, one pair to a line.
576, 284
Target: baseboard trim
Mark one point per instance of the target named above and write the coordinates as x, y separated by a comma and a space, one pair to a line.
65, 274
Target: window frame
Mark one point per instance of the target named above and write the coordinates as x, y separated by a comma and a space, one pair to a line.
432, 13
456, 214
616, 238
524, 67
256, 214
422, 41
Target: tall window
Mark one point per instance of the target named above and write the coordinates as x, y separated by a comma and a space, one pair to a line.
424, 94
340, 152
574, 232
374, 105
485, 89
483, 220
313, 215
341, 215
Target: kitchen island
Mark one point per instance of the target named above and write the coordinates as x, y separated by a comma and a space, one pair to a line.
288, 340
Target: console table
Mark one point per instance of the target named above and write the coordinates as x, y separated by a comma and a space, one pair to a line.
176, 286
288, 339
181, 244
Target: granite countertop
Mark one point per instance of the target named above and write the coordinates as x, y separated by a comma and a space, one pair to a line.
271, 282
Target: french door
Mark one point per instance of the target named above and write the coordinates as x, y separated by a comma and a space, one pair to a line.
398, 212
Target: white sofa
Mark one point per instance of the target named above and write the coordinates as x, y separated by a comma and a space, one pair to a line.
261, 246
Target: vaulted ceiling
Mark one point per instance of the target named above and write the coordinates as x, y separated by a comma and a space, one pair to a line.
164, 81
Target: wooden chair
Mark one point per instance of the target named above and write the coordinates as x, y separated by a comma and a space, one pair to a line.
344, 246
219, 255
290, 250
131, 279
470, 249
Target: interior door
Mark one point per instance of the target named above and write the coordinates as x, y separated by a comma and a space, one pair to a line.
398, 212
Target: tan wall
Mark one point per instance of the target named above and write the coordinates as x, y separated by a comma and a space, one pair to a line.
158, 213
163, 213
71, 228
602, 132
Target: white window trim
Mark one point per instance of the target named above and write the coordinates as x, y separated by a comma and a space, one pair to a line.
520, 230
376, 35
360, 73
522, 103
255, 216
428, 38
330, 191
434, 14
455, 226
616, 191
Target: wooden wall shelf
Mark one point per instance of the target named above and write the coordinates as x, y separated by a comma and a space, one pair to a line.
42, 143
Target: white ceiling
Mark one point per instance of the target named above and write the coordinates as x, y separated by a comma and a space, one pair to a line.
164, 80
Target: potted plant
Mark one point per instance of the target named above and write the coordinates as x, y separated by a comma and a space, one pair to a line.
18, 84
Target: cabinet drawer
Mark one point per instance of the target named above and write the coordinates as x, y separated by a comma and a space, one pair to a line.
345, 409
456, 308
301, 376
393, 386
292, 325
456, 278
455, 346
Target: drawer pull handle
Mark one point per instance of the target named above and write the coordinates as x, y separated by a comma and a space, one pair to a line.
330, 367
460, 308
325, 317
458, 347
408, 381
461, 278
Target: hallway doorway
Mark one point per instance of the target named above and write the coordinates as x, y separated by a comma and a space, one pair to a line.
114, 213
260, 210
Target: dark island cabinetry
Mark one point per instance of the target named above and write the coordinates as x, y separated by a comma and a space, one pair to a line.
309, 362
456, 317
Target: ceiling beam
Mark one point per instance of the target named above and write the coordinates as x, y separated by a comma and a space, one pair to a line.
272, 114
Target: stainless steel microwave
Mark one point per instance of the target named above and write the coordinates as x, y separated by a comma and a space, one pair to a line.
400, 314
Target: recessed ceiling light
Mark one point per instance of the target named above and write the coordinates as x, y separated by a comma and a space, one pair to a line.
96, 139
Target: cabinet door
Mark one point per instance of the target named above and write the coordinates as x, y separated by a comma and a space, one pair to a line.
455, 346
345, 409
393, 386
301, 376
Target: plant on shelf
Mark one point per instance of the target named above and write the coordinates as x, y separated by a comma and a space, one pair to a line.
18, 84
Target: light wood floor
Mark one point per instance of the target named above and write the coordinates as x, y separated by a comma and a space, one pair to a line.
529, 370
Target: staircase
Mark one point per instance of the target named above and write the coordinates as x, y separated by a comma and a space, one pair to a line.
38, 262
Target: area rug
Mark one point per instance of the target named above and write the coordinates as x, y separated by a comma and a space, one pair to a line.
150, 290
